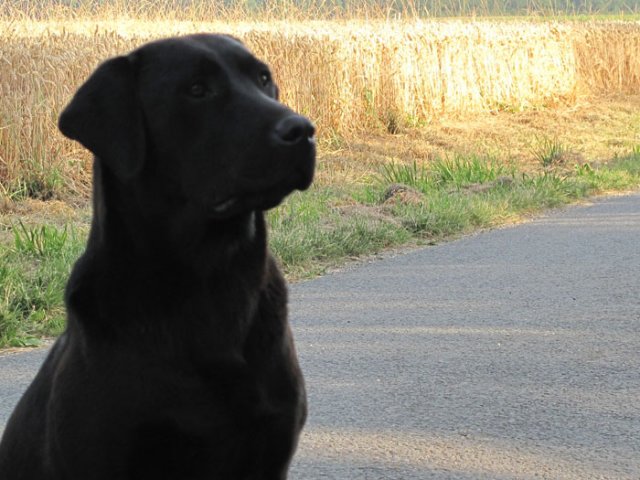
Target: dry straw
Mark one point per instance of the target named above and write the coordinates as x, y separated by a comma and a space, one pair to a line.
347, 76
608, 57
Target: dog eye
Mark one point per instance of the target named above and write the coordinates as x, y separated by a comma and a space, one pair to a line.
197, 90
265, 78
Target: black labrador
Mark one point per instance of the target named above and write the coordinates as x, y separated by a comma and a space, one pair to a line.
177, 361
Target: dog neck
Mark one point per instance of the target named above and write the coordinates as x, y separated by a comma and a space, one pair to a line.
163, 228
143, 263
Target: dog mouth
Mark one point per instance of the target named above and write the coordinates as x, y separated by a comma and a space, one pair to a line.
260, 194
224, 206
237, 205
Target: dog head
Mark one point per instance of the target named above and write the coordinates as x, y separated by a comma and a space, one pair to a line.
196, 118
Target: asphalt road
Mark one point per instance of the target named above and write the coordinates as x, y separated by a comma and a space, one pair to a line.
512, 354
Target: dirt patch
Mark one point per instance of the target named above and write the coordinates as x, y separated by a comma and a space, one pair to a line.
36, 212
398, 194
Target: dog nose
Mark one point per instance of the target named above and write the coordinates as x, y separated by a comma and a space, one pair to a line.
293, 129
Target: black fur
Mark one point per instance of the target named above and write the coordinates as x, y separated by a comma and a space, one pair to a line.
177, 361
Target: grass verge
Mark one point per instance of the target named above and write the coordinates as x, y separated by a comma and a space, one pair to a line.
34, 267
399, 205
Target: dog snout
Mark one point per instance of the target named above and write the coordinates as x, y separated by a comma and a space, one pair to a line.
293, 130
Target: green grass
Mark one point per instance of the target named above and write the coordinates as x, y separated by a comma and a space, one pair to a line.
461, 171
549, 152
324, 226
307, 233
413, 175
34, 268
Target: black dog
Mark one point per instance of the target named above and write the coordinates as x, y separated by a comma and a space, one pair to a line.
177, 361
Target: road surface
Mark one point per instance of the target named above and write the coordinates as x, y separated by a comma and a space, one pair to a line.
511, 354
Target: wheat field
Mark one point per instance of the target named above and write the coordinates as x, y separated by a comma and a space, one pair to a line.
348, 76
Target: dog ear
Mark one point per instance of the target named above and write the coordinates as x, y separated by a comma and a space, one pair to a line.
105, 117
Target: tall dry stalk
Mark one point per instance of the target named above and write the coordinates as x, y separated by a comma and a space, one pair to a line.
608, 56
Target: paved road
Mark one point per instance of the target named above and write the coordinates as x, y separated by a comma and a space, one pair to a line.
512, 354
